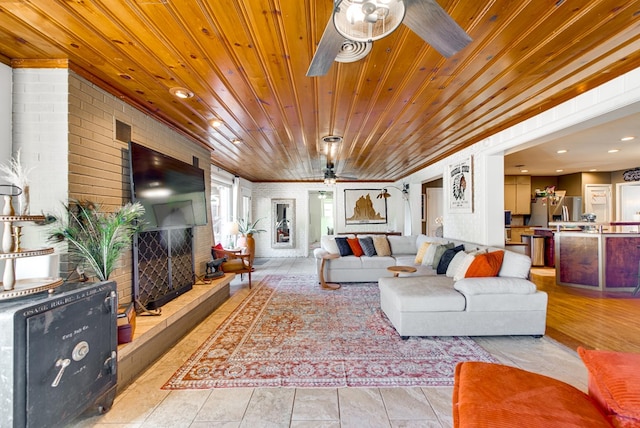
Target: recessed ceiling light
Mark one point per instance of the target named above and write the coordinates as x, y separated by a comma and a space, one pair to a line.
216, 123
627, 138
181, 92
524, 170
592, 170
559, 170
613, 151
561, 151
236, 141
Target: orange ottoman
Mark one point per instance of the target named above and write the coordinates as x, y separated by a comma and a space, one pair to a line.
614, 383
495, 395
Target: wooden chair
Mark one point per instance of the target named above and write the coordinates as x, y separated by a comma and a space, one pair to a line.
236, 262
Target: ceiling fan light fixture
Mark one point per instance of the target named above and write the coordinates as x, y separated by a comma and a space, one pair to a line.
352, 51
368, 20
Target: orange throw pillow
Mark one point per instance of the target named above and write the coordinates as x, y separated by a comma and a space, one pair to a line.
354, 243
487, 264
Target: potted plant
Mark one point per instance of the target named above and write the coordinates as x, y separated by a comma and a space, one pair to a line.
96, 237
247, 230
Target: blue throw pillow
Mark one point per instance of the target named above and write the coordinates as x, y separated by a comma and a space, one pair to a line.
367, 246
446, 258
343, 247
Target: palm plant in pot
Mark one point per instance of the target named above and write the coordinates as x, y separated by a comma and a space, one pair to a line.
247, 229
96, 237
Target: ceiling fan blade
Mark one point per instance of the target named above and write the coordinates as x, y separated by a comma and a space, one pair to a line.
430, 21
328, 49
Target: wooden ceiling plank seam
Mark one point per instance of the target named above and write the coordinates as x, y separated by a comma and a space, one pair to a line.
177, 53
310, 157
64, 30
242, 72
289, 79
13, 27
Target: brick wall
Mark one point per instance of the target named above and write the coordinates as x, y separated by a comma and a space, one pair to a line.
98, 163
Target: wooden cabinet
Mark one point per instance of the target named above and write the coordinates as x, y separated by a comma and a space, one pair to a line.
517, 194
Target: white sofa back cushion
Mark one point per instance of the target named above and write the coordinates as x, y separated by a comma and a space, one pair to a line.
494, 285
515, 265
402, 244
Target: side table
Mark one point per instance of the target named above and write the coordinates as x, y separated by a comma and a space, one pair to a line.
323, 283
401, 269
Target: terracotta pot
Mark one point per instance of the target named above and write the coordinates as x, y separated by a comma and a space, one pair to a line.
251, 246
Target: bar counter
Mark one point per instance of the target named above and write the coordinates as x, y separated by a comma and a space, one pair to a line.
606, 257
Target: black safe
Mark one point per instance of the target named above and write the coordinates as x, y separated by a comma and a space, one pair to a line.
58, 355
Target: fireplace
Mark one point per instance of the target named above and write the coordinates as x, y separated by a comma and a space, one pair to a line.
163, 265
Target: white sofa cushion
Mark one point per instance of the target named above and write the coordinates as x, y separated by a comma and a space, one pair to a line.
345, 262
402, 244
506, 302
328, 242
494, 285
515, 265
415, 294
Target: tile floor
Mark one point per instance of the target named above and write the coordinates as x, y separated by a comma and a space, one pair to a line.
144, 404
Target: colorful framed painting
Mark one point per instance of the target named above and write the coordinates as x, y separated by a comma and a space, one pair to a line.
362, 206
460, 177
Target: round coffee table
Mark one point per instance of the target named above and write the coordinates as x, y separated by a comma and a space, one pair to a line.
397, 270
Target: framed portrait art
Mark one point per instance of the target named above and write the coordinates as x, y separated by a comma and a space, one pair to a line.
460, 175
362, 206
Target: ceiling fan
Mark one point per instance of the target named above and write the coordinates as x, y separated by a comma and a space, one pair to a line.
369, 20
330, 176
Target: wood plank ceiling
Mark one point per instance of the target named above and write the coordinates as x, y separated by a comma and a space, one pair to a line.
399, 109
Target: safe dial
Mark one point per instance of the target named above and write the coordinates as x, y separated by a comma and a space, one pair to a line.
80, 351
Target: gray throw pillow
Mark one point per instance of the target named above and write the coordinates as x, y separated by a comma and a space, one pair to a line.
367, 246
439, 252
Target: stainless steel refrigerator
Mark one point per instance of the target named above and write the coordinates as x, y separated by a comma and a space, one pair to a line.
563, 208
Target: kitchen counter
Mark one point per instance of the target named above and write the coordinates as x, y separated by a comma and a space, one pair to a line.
604, 261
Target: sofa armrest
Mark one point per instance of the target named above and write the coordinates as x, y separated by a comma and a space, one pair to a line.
318, 253
495, 285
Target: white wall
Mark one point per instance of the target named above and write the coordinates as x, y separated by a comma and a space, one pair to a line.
264, 192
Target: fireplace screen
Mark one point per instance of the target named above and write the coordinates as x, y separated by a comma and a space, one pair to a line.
163, 266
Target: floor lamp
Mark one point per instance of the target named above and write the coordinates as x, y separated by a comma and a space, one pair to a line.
384, 194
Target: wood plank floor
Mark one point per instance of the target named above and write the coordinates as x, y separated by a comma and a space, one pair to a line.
592, 319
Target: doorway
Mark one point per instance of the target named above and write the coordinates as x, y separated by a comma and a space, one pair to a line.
628, 206
321, 216
597, 200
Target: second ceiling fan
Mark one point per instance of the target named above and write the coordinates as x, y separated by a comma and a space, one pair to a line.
369, 20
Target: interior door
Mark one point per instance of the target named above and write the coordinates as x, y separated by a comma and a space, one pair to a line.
597, 200
434, 209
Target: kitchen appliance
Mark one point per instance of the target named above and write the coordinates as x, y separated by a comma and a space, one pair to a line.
555, 208
507, 225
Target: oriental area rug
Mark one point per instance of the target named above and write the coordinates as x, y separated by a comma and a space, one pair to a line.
291, 333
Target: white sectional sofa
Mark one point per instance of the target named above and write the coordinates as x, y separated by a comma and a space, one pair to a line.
426, 304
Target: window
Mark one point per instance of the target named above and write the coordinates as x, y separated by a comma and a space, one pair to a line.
221, 211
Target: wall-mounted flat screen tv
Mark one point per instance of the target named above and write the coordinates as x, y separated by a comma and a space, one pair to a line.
171, 191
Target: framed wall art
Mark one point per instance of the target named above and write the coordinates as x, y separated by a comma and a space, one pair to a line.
460, 187
362, 206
